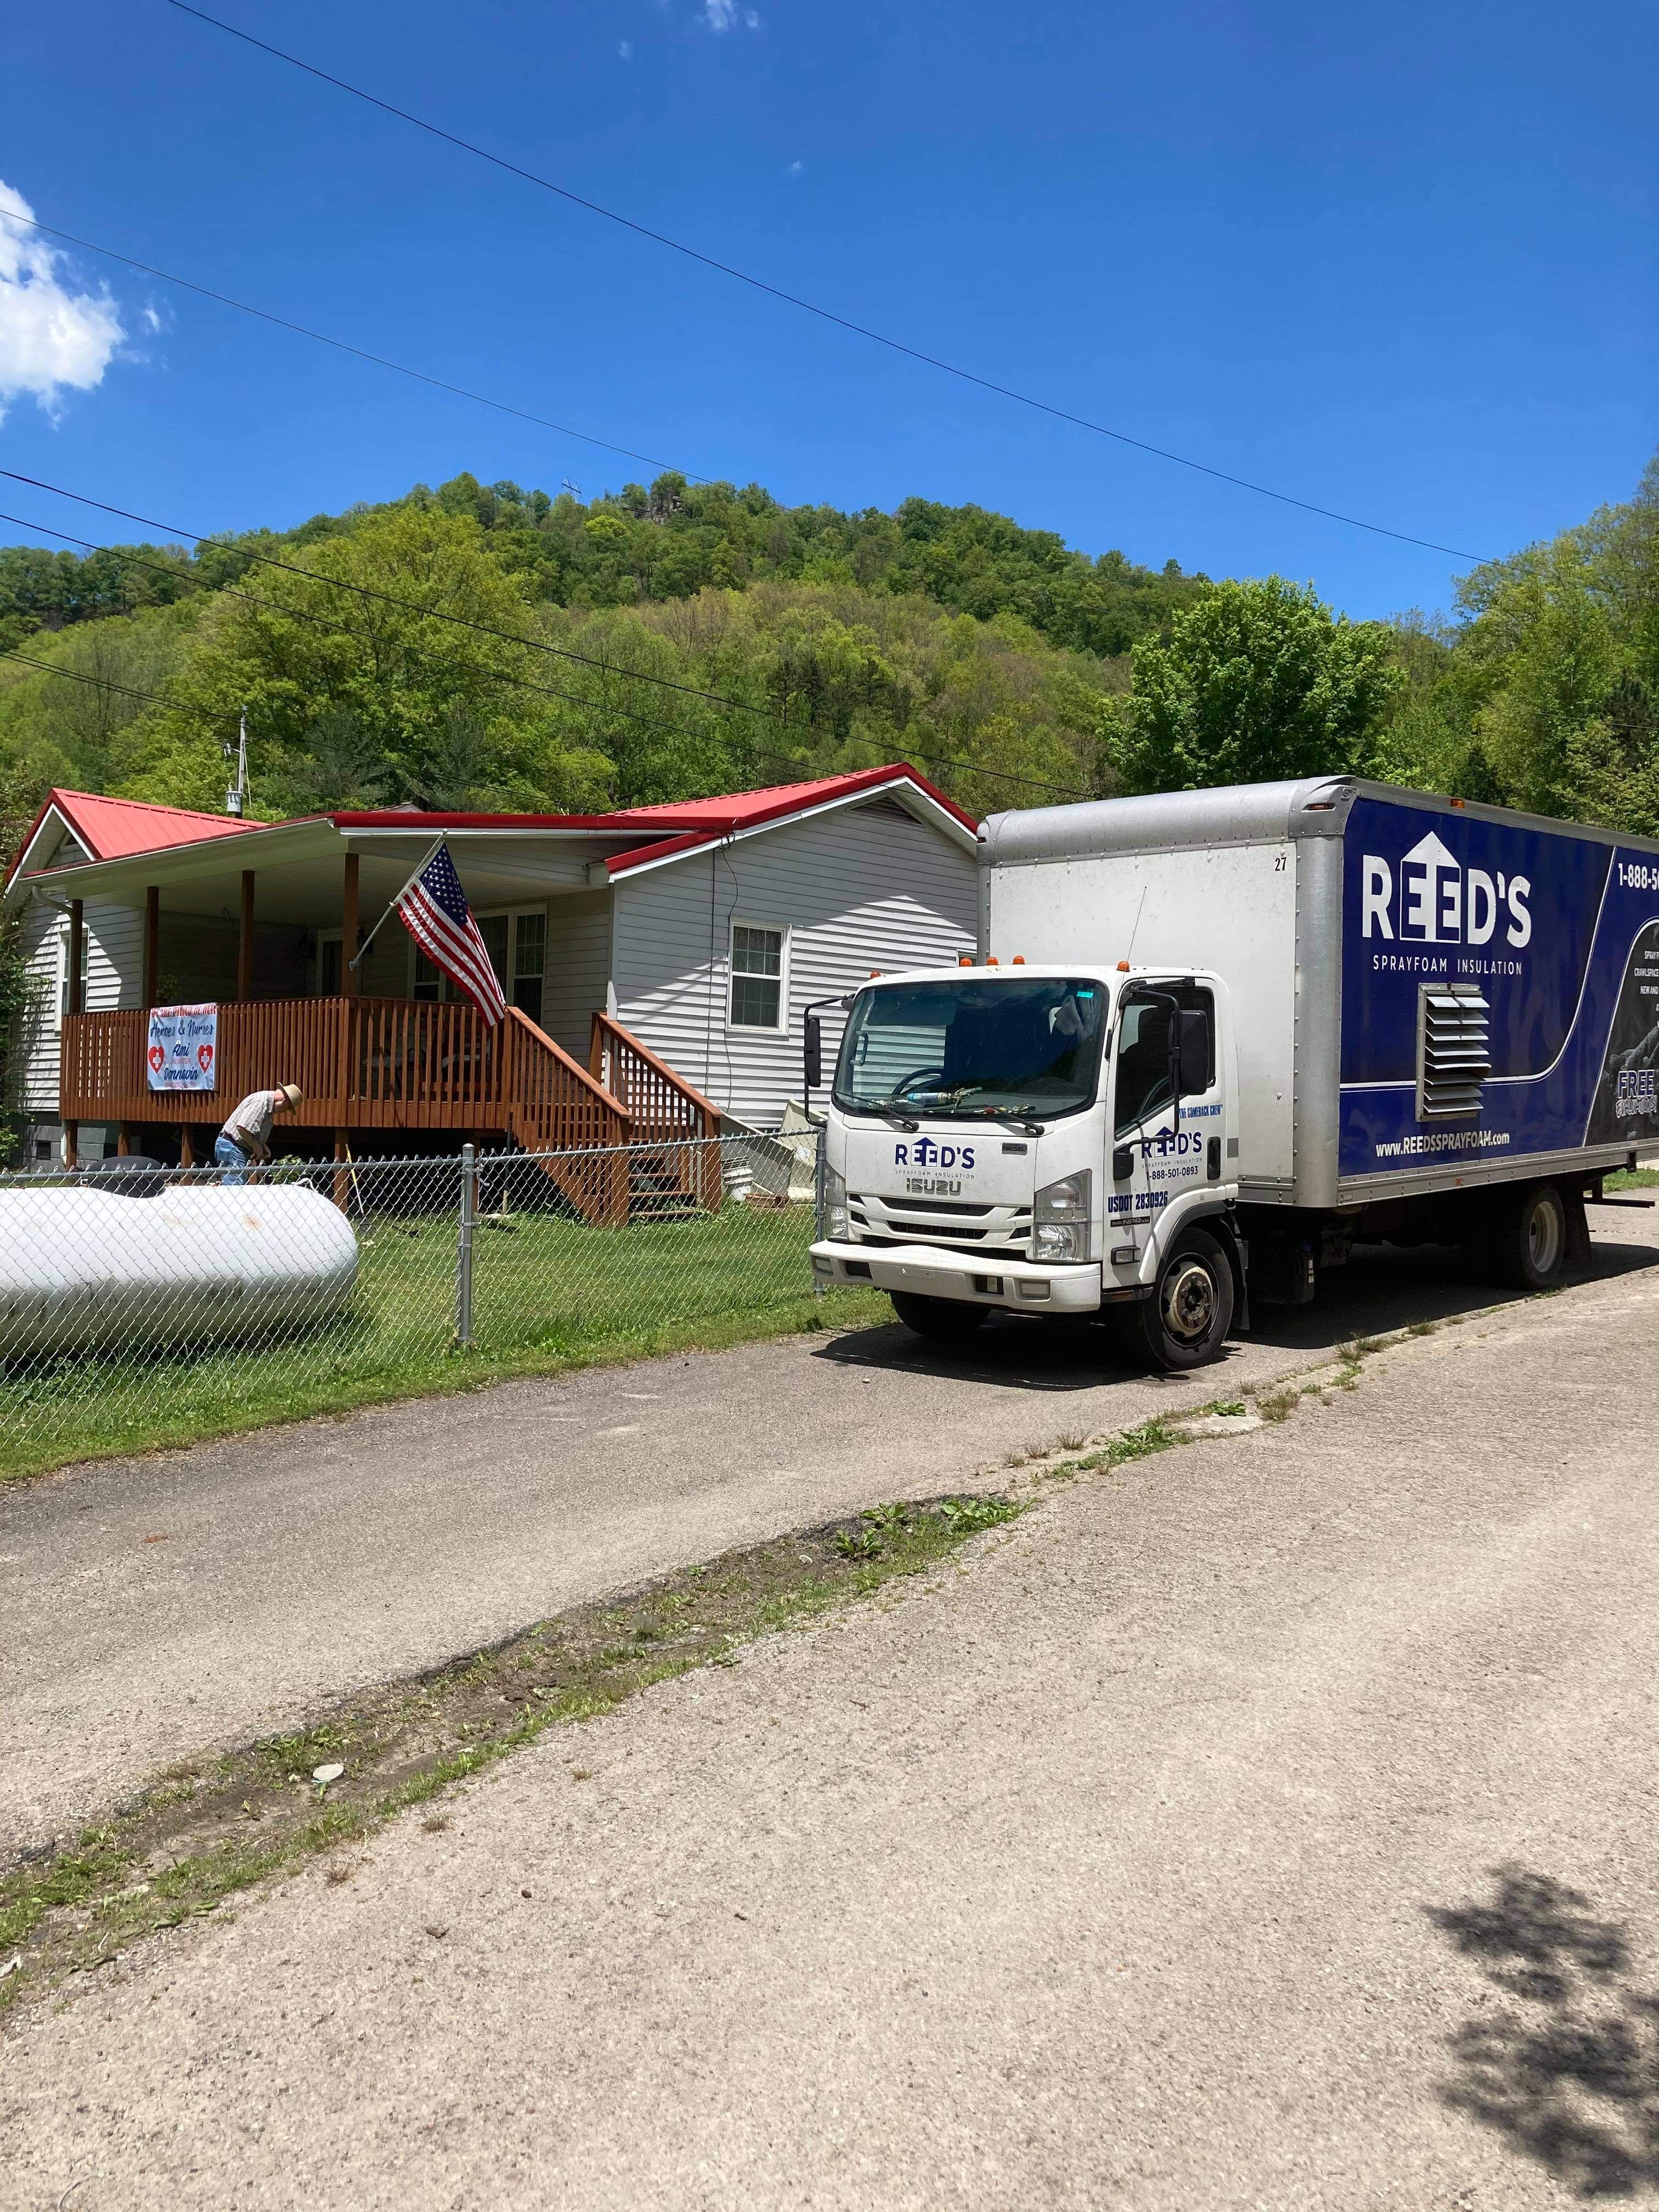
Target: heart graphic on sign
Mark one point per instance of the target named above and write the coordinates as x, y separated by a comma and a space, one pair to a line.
157, 1056
204, 1054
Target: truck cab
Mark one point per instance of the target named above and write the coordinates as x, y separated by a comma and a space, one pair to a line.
1045, 1140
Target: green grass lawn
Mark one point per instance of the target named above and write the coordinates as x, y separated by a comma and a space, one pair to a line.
1631, 1179
548, 1293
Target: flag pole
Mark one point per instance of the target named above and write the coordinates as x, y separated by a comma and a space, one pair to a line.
425, 864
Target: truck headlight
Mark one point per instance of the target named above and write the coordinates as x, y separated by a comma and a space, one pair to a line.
1060, 1218
836, 1222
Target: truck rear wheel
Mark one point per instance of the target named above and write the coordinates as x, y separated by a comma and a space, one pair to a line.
1528, 1236
1185, 1321
941, 1321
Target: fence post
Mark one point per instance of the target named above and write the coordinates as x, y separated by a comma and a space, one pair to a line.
818, 1208
464, 1248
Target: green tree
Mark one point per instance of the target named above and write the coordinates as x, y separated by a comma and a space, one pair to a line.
75, 725
1545, 693
357, 633
1257, 681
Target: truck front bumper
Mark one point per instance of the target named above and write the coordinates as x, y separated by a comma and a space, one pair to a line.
926, 1272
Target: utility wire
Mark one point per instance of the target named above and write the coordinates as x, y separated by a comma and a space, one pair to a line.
103, 683
129, 559
340, 345
811, 306
508, 637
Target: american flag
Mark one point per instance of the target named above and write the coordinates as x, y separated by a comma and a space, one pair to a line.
437, 917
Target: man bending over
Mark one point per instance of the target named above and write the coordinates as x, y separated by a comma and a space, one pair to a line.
246, 1136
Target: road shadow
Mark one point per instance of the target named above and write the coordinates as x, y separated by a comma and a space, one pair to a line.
1382, 1289
1568, 2071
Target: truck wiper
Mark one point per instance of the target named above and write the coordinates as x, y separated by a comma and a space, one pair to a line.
892, 1110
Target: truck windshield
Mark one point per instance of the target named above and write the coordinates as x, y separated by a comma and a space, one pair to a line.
1018, 1046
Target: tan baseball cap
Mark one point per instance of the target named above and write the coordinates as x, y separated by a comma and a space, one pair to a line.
293, 1095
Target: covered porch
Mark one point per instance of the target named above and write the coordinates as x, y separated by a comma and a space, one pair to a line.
262, 924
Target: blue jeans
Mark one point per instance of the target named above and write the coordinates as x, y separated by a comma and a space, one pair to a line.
228, 1154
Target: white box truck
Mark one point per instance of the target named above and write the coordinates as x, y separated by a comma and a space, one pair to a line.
1213, 1038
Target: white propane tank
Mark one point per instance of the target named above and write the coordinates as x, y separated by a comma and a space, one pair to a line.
82, 1269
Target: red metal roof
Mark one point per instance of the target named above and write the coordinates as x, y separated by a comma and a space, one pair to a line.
112, 828
118, 828
738, 809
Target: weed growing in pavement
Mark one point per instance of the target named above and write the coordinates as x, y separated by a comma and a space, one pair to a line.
1278, 1404
213, 1826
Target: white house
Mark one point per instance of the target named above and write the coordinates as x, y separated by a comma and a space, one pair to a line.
687, 937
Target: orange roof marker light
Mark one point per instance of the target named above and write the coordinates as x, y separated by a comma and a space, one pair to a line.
965, 960
1019, 959
991, 960
1122, 967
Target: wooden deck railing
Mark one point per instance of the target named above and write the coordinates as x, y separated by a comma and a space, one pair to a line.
663, 1107
405, 1064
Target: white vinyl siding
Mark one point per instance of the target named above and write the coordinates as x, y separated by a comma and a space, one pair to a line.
114, 978
578, 968
853, 889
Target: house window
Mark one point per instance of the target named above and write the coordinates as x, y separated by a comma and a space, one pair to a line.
517, 945
757, 1001
529, 963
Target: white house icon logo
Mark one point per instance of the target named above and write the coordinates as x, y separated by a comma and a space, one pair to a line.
1438, 902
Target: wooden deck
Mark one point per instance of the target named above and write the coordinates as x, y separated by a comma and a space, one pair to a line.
399, 1066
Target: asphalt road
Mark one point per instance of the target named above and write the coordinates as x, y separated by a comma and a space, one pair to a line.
1268, 1823
154, 1607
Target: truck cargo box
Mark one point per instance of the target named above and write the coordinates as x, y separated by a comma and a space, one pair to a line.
1429, 994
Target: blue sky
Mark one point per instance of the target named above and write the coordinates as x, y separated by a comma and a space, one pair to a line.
1398, 260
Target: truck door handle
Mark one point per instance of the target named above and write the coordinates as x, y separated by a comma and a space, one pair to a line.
1213, 1159
1123, 1163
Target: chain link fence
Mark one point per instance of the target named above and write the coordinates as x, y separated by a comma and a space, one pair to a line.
142, 1306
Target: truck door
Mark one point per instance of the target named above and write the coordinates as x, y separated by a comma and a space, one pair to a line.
1162, 1148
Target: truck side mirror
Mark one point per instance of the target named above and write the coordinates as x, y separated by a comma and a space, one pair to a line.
1123, 1162
1192, 1053
813, 1052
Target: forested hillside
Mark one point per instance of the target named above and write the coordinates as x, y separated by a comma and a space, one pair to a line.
487, 646
829, 640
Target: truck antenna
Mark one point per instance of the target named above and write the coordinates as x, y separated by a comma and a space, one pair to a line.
1135, 932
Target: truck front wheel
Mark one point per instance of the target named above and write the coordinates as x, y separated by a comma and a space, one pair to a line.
941, 1321
1185, 1321
1529, 1236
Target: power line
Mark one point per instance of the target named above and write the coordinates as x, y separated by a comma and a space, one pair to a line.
340, 345
811, 306
130, 559
509, 637
104, 683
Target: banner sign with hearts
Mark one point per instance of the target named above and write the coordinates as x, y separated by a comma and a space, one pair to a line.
183, 1048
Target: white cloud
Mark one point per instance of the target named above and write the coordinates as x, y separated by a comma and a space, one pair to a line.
52, 340
625, 49
794, 170
719, 16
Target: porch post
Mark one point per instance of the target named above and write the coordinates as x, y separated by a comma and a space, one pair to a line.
77, 981
245, 941
349, 982
152, 939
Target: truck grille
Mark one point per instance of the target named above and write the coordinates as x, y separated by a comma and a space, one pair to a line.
954, 1226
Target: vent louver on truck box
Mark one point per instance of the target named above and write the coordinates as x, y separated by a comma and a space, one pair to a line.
1453, 1051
